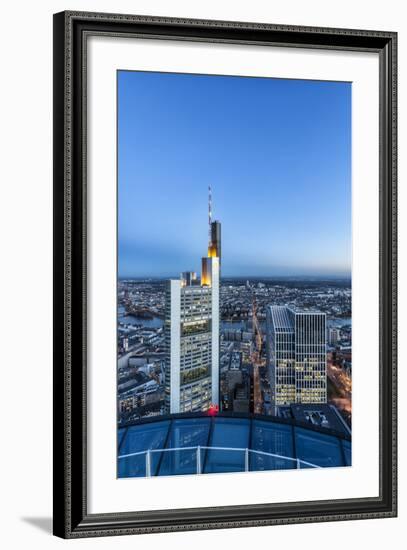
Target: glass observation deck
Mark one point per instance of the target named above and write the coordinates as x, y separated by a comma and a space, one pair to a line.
200, 444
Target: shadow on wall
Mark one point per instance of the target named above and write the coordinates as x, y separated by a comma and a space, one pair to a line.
43, 523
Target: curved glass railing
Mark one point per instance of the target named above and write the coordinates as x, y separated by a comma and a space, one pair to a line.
203, 459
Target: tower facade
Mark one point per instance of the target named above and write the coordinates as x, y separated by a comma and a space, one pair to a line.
214, 247
296, 356
191, 329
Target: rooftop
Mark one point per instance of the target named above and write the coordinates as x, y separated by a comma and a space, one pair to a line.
226, 442
281, 318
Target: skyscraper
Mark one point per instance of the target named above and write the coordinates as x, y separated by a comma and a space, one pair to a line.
296, 356
192, 333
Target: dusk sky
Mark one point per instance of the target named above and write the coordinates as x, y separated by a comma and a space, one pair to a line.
276, 152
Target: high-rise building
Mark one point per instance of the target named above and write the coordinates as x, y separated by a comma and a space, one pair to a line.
296, 356
334, 336
192, 334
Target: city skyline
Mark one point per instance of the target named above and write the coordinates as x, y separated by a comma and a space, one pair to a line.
208, 374
270, 232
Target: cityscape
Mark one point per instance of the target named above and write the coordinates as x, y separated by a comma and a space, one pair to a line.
278, 348
234, 290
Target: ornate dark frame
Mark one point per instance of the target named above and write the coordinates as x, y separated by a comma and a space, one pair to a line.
71, 518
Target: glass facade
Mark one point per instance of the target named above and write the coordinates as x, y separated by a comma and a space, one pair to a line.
310, 357
281, 358
187, 433
272, 438
137, 439
195, 355
227, 433
296, 356
320, 449
191, 444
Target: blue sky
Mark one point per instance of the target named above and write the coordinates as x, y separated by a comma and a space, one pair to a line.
276, 152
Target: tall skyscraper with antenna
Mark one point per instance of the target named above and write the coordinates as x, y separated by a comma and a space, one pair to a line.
192, 332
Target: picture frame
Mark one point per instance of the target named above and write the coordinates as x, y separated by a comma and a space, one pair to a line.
71, 32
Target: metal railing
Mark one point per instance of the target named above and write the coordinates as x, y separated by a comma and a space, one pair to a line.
298, 463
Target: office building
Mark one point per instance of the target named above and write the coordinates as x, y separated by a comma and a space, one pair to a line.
296, 356
192, 334
334, 336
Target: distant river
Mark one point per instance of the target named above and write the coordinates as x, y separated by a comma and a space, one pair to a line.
241, 325
155, 322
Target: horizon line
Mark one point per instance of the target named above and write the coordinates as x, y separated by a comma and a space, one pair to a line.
177, 275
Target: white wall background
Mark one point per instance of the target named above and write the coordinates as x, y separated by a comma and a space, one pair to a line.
26, 273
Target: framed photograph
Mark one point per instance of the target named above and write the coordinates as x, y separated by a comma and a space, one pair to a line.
224, 274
